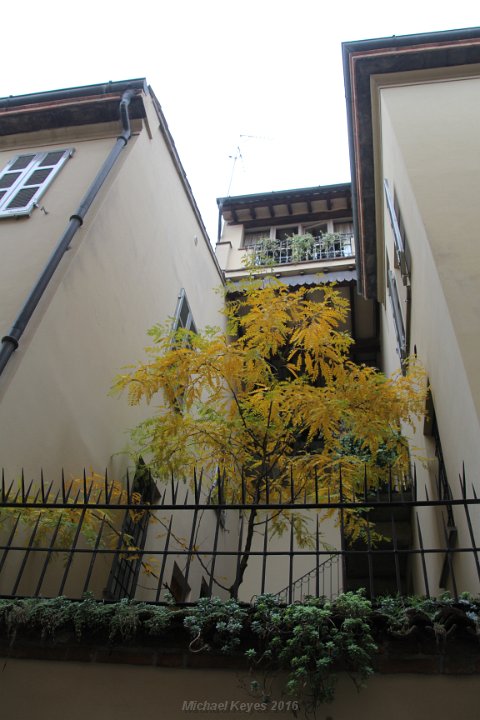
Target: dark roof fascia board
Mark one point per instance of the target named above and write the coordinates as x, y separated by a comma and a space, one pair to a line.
73, 93
362, 60
415, 39
70, 107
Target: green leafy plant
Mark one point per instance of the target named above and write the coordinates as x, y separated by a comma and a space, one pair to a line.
406, 615
216, 623
30, 614
125, 621
302, 247
90, 616
314, 639
299, 247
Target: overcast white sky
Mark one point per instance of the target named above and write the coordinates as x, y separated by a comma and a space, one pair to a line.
264, 76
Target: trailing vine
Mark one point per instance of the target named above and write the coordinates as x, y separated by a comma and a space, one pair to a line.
216, 624
413, 615
310, 641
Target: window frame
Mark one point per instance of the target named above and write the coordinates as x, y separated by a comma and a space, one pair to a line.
182, 302
398, 322
179, 324
22, 181
399, 238
313, 227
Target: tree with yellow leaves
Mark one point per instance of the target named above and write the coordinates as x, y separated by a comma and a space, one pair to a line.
275, 395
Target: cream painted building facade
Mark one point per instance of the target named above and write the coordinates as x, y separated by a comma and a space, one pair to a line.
140, 250
414, 109
94, 168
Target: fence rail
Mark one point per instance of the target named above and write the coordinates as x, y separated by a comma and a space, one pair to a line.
93, 535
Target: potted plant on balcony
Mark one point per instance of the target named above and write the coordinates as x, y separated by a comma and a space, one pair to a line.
302, 247
327, 245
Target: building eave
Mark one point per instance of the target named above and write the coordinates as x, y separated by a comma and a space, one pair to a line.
362, 61
281, 204
86, 105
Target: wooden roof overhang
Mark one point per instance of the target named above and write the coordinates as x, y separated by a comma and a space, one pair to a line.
287, 206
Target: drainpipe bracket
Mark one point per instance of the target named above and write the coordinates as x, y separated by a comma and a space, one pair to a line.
10, 339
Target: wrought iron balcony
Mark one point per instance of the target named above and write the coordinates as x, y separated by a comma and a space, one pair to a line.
301, 248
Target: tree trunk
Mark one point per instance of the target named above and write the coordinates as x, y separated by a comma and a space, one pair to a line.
242, 565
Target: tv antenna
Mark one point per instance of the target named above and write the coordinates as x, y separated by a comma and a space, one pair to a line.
237, 155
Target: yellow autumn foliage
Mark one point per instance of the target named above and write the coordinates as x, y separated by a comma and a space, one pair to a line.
277, 393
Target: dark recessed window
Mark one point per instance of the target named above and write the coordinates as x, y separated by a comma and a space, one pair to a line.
183, 317
179, 587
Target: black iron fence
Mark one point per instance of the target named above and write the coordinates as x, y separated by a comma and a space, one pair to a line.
186, 541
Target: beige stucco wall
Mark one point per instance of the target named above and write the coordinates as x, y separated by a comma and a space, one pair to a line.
434, 127
54, 690
140, 244
428, 133
207, 551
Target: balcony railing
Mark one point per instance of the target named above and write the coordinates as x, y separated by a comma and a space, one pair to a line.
302, 248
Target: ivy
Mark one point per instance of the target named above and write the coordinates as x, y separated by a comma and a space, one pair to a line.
310, 641
90, 617
214, 623
402, 616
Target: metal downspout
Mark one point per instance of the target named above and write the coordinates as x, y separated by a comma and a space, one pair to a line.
10, 342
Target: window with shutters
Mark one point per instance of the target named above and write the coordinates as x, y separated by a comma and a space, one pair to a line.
26, 177
397, 315
402, 258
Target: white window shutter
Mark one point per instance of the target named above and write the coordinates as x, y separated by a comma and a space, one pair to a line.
26, 178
